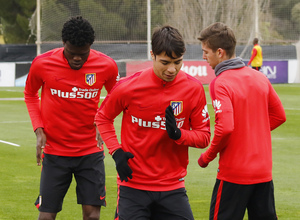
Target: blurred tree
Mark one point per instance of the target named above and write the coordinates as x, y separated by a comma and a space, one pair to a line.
134, 15
282, 9
53, 19
15, 16
296, 15
282, 20
126, 20
111, 26
113, 20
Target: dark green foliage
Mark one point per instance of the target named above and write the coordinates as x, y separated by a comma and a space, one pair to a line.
284, 21
15, 16
113, 20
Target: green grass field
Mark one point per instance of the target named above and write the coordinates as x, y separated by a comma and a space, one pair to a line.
19, 174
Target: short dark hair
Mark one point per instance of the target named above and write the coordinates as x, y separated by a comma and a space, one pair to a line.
169, 40
255, 40
219, 35
78, 31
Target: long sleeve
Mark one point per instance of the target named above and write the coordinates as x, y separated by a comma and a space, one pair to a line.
254, 52
104, 120
33, 84
224, 122
110, 83
276, 111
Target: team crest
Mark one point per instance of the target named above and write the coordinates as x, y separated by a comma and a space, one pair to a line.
90, 78
177, 107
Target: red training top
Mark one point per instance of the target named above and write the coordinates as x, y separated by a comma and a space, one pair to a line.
69, 100
247, 108
159, 162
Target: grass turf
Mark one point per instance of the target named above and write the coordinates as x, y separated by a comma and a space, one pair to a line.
19, 174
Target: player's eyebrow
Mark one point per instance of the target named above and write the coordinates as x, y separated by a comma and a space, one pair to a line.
172, 60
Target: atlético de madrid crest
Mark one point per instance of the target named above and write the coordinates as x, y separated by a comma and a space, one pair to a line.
177, 107
90, 78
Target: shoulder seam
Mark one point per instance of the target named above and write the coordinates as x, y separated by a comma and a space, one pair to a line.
47, 54
126, 79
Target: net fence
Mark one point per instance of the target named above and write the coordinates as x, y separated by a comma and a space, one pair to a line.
121, 25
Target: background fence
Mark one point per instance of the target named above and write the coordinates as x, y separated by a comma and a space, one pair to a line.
120, 24
123, 30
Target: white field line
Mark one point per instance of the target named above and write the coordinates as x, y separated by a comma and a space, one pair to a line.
11, 122
6, 142
285, 138
11, 99
297, 109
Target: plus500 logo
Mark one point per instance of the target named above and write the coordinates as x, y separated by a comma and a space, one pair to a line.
76, 93
158, 123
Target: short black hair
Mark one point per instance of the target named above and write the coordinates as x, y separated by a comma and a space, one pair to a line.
78, 31
169, 40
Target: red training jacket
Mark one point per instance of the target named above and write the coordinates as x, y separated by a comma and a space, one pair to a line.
69, 100
159, 163
247, 108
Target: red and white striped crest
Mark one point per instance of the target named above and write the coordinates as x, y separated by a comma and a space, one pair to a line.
177, 107
90, 78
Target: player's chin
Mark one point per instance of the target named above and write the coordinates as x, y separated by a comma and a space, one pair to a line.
75, 66
169, 78
212, 66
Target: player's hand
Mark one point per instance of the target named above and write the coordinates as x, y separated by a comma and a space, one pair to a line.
201, 162
173, 132
99, 139
40, 144
122, 167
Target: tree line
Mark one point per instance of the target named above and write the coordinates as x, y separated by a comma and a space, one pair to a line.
126, 20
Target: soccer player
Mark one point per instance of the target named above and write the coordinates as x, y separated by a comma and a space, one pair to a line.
164, 112
246, 109
71, 79
256, 59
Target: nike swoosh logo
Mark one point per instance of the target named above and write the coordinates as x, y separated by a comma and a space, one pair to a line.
59, 79
147, 106
102, 197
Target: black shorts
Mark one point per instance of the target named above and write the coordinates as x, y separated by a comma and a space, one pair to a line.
256, 68
230, 201
134, 204
56, 177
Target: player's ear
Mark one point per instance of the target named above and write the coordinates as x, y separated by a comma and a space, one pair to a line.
152, 55
221, 53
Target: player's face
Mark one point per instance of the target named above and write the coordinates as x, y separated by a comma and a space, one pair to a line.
210, 56
76, 56
165, 67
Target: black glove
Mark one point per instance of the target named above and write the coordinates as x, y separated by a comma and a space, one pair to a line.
171, 127
122, 167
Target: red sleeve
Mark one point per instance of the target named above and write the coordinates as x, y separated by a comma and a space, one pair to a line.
109, 84
199, 136
224, 121
276, 111
33, 84
254, 52
105, 116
